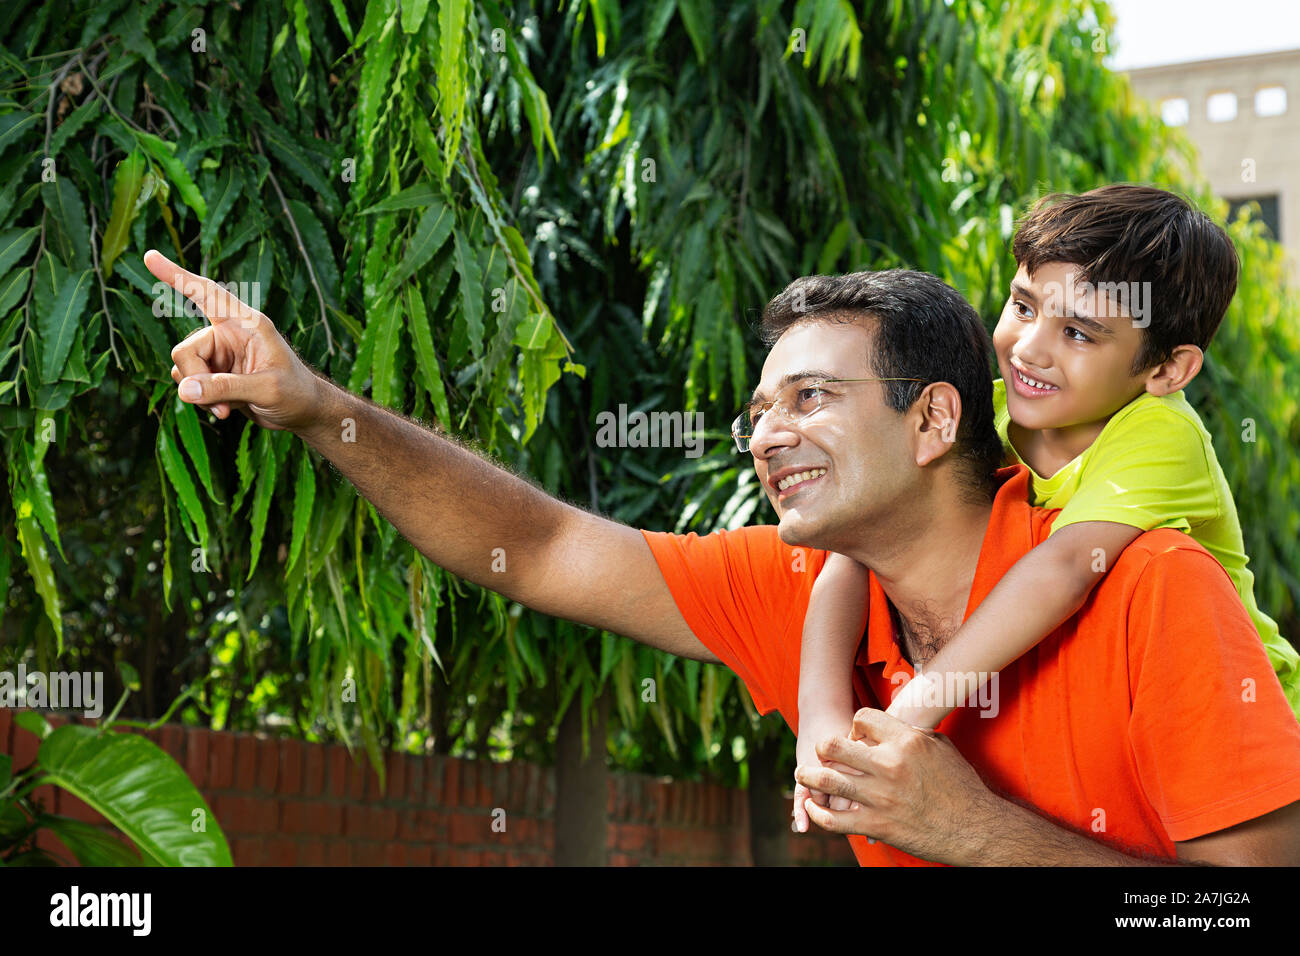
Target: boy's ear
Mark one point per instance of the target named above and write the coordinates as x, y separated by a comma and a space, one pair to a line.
1176, 371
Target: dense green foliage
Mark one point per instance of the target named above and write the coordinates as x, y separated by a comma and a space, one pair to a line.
507, 219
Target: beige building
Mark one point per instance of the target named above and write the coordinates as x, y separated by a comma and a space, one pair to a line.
1243, 114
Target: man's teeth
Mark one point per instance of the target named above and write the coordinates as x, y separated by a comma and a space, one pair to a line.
789, 480
1029, 381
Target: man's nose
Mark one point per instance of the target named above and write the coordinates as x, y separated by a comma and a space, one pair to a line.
773, 431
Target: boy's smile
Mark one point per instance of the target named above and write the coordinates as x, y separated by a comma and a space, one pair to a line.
1066, 352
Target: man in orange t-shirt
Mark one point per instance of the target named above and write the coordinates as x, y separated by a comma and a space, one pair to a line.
1149, 723
1129, 722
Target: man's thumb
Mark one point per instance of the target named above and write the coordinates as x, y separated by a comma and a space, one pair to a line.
219, 387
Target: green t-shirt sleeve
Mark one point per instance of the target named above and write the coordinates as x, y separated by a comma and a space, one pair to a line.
1152, 470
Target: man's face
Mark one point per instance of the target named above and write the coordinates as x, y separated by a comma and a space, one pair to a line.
1076, 343
858, 440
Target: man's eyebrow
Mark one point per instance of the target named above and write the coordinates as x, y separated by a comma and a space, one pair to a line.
792, 377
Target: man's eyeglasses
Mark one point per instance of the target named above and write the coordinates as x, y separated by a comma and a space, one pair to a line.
794, 403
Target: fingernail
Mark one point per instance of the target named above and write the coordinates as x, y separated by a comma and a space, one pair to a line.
191, 389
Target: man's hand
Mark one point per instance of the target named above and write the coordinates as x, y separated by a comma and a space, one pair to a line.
916, 791
240, 360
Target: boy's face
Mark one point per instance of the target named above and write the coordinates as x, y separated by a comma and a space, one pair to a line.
1076, 343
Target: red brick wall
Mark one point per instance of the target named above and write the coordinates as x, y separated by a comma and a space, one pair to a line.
283, 802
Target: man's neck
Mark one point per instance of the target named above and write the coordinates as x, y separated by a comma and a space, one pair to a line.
926, 565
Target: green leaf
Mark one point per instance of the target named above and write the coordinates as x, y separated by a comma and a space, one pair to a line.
471, 292
67, 232
426, 361
191, 432
89, 844
412, 197
304, 497
413, 12
32, 543
60, 301
179, 475
387, 338
127, 184
139, 789
14, 243
228, 189
266, 478
176, 172
430, 233
33, 722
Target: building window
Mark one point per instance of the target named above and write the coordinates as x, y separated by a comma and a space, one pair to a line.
1270, 101
1221, 107
1268, 211
1174, 111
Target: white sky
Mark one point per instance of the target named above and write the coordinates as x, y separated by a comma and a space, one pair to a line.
1155, 32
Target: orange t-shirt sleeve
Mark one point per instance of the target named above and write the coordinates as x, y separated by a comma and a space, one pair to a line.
740, 593
1213, 737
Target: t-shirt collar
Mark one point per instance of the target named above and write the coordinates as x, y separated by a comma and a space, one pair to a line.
1006, 539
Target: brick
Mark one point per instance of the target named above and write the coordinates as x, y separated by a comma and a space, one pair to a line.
466, 829
221, 760
245, 763
282, 851
395, 855
383, 823
492, 858
417, 772
337, 760
6, 725
469, 784
245, 814
293, 816
70, 806
311, 853
415, 824
368, 854
355, 820
419, 855
465, 858
196, 756
634, 838
44, 795
356, 778
338, 853
451, 782
246, 851
325, 819
268, 765
395, 764
313, 771
24, 750
172, 740
289, 755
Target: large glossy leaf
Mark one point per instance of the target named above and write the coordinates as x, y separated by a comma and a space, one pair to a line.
139, 789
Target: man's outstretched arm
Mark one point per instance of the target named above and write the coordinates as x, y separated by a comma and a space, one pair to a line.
456, 507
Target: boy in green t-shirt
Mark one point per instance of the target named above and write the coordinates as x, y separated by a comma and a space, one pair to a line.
1118, 293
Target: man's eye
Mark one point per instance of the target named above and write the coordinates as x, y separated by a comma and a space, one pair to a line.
808, 397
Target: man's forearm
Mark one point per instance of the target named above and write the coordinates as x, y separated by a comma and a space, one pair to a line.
453, 505
1021, 837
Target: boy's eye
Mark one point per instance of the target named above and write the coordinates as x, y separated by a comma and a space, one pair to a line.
1081, 336
1021, 309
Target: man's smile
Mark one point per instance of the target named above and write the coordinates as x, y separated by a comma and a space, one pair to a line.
791, 481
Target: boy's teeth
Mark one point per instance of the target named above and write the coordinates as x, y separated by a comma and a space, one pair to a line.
1029, 381
789, 480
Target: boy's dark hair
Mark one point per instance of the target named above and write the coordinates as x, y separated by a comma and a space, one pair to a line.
923, 329
1130, 233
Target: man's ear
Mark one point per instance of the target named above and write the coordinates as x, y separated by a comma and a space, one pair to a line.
940, 406
1176, 371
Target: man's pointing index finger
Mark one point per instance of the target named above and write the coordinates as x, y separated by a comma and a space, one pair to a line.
217, 303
